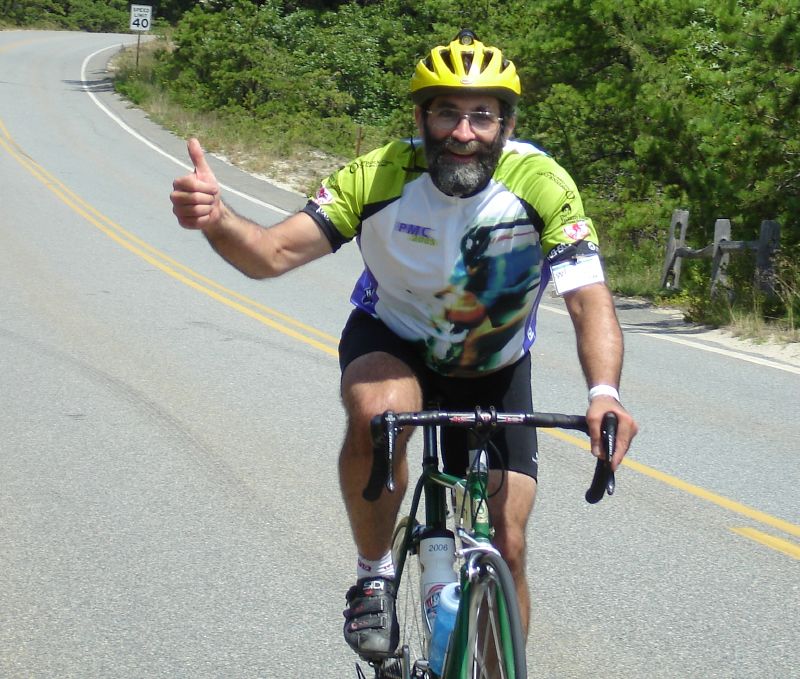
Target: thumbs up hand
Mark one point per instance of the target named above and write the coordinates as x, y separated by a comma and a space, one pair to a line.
195, 197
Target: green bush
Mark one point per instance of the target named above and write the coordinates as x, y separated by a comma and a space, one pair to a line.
84, 15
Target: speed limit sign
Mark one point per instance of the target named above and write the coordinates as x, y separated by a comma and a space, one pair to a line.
141, 17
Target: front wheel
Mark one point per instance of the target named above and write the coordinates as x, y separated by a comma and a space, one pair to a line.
410, 661
488, 642
413, 626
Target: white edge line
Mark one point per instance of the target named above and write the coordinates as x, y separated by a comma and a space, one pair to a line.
155, 148
704, 347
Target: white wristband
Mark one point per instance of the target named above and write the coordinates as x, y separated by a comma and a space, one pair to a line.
603, 390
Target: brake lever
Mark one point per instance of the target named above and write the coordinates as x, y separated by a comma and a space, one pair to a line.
604, 480
384, 433
391, 437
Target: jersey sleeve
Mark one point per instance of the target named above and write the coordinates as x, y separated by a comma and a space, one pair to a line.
336, 207
569, 239
351, 193
565, 228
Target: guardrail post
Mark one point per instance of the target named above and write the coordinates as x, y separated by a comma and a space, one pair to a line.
720, 257
359, 139
672, 264
768, 244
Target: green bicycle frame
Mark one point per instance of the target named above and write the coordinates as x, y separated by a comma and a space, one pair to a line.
473, 515
434, 484
473, 508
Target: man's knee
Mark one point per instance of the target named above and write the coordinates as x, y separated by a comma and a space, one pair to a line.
377, 382
510, 508
372, 384
512, 545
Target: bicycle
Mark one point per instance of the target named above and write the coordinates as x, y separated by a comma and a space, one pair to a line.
487, 640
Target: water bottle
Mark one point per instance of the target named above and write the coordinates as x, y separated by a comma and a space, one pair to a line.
443, 627
437, 555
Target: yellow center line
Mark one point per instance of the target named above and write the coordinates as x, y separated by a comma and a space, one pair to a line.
778, 544
19, 43
161, 260
261, 313
697, 491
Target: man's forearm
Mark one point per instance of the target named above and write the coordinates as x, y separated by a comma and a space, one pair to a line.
598, 334
236, 240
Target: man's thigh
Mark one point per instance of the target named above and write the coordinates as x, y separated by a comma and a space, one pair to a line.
376, 382
379, 370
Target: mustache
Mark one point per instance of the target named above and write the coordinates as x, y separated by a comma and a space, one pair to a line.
466, 147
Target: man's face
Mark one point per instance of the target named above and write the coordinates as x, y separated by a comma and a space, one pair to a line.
464, 138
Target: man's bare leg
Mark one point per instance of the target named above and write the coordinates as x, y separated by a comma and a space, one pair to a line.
372, 384
510, 509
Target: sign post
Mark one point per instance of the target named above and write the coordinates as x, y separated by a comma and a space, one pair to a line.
141, 18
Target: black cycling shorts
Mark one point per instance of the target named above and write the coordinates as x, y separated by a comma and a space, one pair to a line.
507, 389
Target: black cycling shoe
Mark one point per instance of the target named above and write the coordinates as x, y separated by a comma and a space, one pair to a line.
370, 626
390, 669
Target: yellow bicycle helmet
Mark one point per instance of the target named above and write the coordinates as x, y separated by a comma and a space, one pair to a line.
465, 65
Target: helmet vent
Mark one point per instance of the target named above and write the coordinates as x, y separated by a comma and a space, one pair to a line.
447, 57
488, 55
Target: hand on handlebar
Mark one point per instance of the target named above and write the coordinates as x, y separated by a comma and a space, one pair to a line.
626, 427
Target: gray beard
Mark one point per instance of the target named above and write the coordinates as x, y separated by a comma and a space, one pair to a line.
458, 178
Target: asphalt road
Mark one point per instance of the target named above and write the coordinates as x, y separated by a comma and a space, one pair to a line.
168, 500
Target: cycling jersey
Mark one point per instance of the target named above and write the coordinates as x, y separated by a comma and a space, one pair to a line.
460, 277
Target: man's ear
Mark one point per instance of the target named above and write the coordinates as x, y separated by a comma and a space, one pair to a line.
418, 117
508, 130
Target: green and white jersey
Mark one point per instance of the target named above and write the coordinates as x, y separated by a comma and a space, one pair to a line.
459, 277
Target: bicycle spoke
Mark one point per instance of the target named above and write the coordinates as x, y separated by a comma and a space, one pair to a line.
409, 609
494, 644
487, 641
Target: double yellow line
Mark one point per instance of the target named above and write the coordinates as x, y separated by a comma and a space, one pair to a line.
327, 343
19, 43
270, 317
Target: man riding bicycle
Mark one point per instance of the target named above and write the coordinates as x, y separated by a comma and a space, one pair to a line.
460, 232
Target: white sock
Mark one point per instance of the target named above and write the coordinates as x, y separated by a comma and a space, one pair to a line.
383, 567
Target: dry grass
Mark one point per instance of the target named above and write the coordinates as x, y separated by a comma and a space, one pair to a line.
753, 327
242, 144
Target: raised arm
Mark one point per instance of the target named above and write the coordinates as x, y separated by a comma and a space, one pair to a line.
257, 251
600, 350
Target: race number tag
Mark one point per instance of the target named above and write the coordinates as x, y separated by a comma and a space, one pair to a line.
575, 273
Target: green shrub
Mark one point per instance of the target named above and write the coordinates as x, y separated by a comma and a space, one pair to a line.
84, 15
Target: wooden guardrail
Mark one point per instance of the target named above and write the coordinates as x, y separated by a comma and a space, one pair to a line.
719, 252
